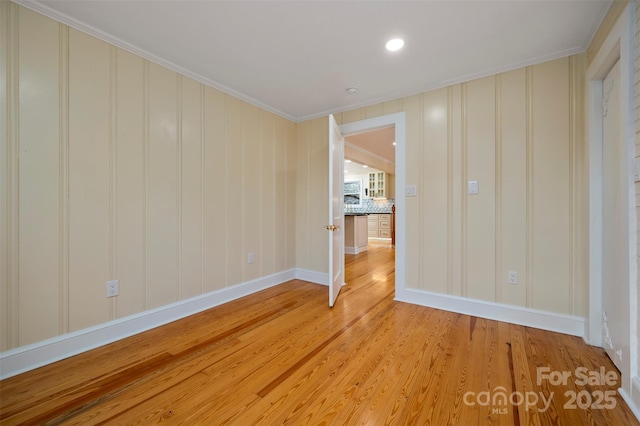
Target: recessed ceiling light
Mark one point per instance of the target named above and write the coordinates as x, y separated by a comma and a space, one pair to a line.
365, 166
347, 161
394, 144
394, 44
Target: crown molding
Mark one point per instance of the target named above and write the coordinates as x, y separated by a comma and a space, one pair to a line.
45, 10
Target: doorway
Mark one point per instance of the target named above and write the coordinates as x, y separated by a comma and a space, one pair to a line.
613, 286
397, 122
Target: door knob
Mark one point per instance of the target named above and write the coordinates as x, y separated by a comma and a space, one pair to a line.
332, 227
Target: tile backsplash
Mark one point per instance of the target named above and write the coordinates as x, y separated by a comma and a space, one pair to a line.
371, 205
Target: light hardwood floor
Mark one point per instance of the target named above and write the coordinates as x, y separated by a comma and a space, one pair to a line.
282, 356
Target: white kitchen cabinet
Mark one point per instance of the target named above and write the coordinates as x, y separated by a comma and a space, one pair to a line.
380, 185
379, 225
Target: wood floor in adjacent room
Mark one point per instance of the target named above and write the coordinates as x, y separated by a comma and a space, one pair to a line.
282, 356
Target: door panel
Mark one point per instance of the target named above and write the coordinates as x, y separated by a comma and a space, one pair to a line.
336, 210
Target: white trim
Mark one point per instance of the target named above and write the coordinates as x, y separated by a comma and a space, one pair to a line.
45, 10
560, 323
312, 276
369, 154
619, 44
632, 400
353, 250
446, 83
398, 121
32, 356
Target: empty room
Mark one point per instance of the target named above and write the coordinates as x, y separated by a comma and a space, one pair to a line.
319, 212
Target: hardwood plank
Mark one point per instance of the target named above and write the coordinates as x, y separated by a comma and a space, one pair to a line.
282, 356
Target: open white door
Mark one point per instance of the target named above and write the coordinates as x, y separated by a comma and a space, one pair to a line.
336, 210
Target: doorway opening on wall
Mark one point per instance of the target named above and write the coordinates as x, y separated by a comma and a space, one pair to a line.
379, 144
613, 273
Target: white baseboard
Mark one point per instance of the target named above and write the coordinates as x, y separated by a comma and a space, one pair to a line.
354, 250
32, 356
561, 323
312, 276
633, 400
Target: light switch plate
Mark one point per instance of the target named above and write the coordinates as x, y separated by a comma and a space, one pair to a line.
410, 191
473, 187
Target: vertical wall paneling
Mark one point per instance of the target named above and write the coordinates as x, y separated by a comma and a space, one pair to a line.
63, 254
413, 110
480, 217
463, 191
268, 197
179, 188
130, 184
499, 277
215, 184
303, 189
203, 191
450, 191
9, 73
191, 181
373, 111
146, 125
434, 182
234, 192
88, 180
454, 135
251, 198
579, 283
512, 206
551, 186
113, 166
572, 189
38, 178
280, 161
529, 220
391, 107
163, 187
290, 213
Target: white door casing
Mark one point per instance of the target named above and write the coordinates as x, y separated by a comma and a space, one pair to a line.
399, 122
618, 46
336, 210
615, 226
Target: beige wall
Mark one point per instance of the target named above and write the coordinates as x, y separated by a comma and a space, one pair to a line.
520, 134
637, 93
116, 168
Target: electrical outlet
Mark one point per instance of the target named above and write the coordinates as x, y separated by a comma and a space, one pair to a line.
250, 257
113, 288
512, 277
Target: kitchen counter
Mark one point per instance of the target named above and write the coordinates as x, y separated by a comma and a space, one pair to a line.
356, 233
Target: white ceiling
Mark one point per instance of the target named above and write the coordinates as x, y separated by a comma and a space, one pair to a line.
379, 143
296, 58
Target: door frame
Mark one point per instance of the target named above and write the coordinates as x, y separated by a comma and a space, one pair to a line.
619, 44
397, 120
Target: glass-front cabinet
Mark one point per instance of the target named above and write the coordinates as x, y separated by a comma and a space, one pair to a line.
378, 185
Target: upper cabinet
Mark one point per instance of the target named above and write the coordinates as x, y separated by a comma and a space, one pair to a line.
380, 185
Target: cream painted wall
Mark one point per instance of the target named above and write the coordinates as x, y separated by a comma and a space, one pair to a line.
116, 168
520, 134
637, 93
